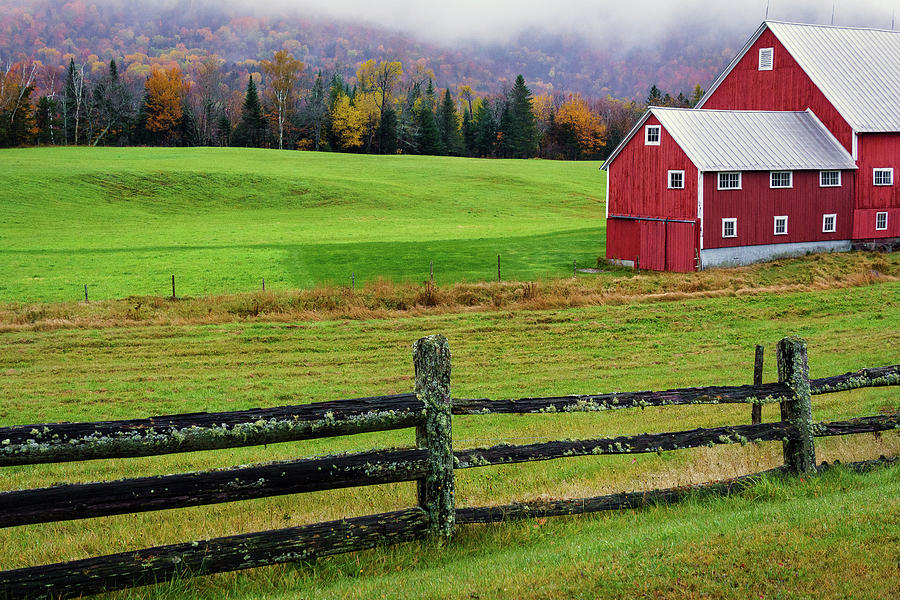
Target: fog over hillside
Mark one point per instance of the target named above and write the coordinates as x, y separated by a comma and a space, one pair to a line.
630, 24
590, 47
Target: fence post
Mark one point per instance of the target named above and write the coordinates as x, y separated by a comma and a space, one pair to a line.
431, 358
756, 410
793, 369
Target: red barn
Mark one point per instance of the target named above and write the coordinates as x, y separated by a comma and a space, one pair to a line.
847, 80
689, 188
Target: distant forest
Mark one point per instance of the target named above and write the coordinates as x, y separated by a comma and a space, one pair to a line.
79, 73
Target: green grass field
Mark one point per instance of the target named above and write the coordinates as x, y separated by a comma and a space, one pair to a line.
124, 220
791, 535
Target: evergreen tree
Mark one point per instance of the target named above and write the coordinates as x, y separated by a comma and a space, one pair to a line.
223, 130
520, 135
506, 146
187, 132
139, 132
655, 97
429, 134
468, 134
485, 130
448, 125
251, 130
387, 131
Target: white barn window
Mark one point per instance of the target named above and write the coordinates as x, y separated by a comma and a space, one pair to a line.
883, 176
781, 179
829, 223
781, 225
766, 59
881, 221
729, 228
729, 181
651, 135
676, 180
829, 179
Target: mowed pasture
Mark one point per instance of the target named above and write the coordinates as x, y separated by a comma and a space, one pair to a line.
826, 537
221, 220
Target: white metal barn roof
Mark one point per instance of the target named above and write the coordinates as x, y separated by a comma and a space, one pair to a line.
857, 69
749, 140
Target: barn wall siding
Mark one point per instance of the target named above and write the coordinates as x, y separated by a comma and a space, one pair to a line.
864, 224
640, 173
878, 150
653, 245
680, 247
623, 239
658, 245
785, 87
756, 204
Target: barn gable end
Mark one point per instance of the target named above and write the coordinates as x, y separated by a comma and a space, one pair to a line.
805, 119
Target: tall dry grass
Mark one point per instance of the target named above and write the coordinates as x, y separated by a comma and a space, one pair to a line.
383, 298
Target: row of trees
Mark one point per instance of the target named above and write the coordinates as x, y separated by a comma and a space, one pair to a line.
383, 109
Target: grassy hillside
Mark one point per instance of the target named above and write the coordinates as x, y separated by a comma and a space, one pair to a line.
780, 531
124, 220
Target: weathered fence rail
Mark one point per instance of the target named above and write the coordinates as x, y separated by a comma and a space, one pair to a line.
633, 444
61, 442
85, 500
431, 464
154, 565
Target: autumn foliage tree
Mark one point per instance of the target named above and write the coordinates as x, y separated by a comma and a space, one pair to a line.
348, 123
282, 73
381, 81
164, 92
582, 132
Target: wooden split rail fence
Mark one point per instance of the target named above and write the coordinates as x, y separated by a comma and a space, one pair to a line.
431, 464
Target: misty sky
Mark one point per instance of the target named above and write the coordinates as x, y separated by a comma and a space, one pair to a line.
634, 21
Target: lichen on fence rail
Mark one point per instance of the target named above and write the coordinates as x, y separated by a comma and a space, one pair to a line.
768, 393
84, 500
872, 424
648, 442
153, 565
876, 377
61, 442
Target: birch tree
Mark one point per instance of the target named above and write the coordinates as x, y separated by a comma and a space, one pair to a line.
282, 74
73, 102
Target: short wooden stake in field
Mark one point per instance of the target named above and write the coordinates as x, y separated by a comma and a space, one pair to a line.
793, 369
85, 294
431, 358
498, 268
173, 287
